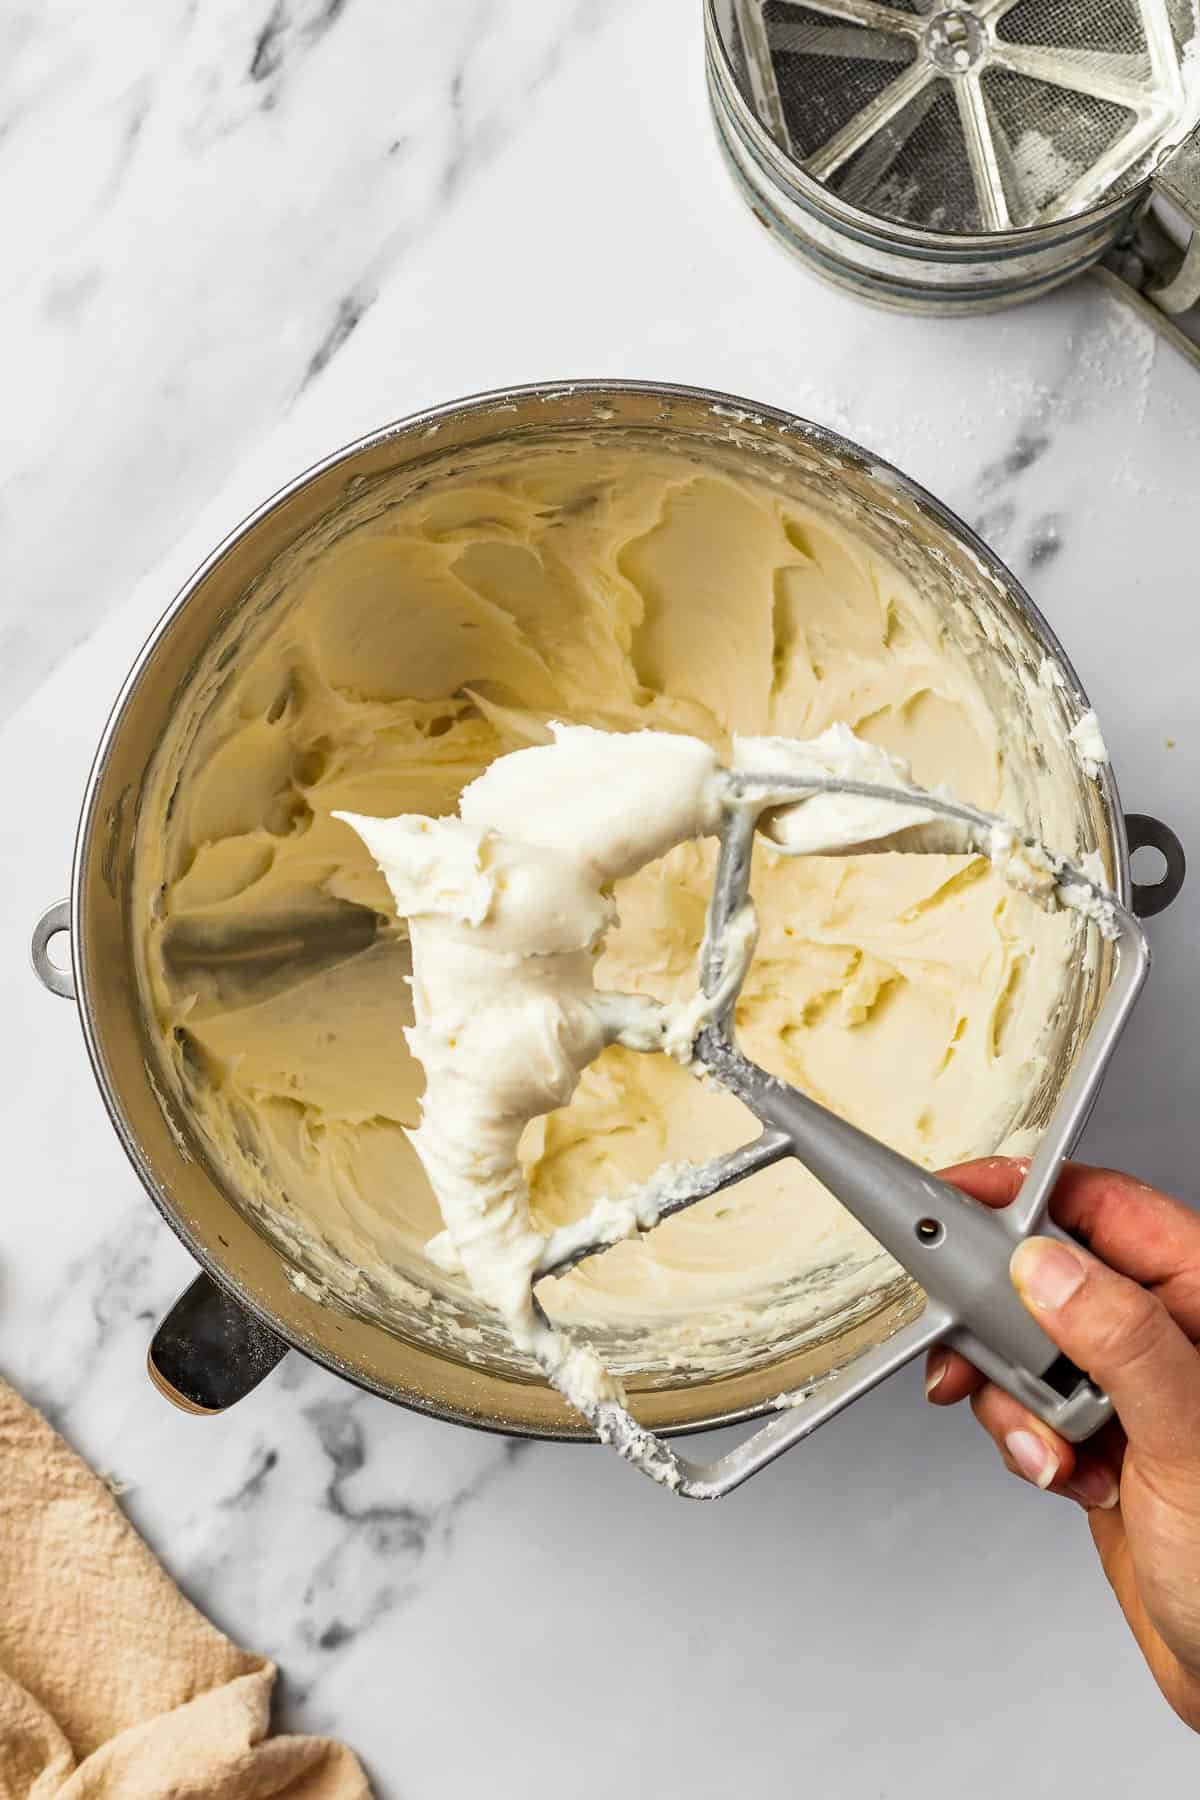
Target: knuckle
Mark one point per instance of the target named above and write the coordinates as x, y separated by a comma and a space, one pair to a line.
1129, 1328
983, 1405
998, 1413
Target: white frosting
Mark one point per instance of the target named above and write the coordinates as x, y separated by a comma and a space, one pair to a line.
428, 629
1089, 744
508, 906
833, 822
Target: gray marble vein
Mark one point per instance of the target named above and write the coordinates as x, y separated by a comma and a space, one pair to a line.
288, 32
234, 207
346, 317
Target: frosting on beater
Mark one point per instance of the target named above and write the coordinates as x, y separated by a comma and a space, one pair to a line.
508, 905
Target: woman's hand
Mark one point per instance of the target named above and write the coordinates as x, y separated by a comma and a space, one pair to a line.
1129, 1314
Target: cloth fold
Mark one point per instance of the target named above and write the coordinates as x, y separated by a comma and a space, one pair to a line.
112, 1685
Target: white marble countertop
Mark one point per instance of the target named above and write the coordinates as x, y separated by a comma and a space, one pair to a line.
238, 236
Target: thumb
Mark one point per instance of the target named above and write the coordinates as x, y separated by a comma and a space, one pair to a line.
1125, 1339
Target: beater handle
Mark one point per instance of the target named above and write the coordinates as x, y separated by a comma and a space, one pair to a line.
958, 1249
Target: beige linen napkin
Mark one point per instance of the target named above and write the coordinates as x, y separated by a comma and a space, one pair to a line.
111, 1683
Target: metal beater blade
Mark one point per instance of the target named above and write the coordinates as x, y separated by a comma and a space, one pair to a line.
957, 1249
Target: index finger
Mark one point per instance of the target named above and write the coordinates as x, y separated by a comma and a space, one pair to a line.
1133, 1228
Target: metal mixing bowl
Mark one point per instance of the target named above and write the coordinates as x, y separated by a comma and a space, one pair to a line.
250, 1306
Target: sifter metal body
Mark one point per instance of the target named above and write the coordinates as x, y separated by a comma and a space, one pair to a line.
952, 159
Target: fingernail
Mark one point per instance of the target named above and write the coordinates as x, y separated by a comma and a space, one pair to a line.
1094, 1487
937, 1368
1046, 1272
1035, 1459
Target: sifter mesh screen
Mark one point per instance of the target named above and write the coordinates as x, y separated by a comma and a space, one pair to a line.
975, 117
1115, 25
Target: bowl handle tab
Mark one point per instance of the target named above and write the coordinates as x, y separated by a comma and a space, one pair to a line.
209, 1352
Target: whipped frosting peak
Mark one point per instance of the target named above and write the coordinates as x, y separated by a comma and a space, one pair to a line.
507, 906
612, 800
